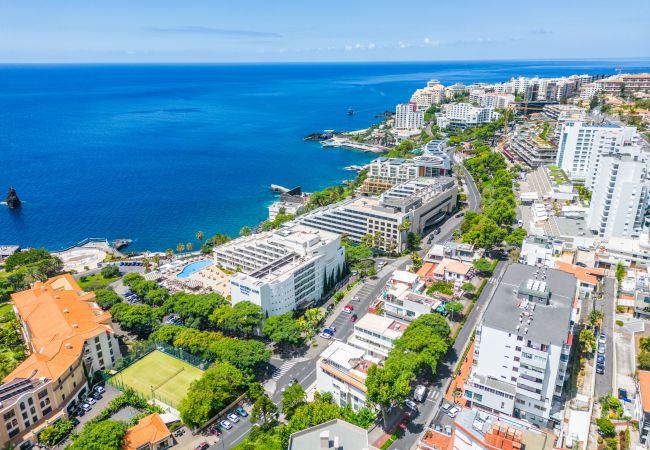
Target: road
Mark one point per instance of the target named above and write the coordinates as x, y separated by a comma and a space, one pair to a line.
303, 368
605, 382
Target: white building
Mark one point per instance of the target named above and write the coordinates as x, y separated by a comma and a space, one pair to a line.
619, 194
540, 251
408, 117
375, 335
421, 202
464, 115
582, 143
491, 99
433, 94
281, 270
523, 344
342, 370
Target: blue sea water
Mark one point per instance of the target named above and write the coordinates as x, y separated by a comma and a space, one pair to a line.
156, 152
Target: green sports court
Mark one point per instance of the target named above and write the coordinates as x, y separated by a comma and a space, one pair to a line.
160, 376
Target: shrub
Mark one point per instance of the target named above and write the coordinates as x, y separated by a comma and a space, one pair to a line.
619, 323
55, 433
606, 427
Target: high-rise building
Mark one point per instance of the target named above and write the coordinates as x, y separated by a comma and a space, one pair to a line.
282, 270
408, 117
520, 361
464, 115
582, 143
619, 198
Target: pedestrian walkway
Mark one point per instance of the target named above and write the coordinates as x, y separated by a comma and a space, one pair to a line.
284, 368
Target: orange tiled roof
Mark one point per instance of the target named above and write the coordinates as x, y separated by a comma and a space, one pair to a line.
644, 385
435, 440
425, 269
150, 430
60, 317
585, 274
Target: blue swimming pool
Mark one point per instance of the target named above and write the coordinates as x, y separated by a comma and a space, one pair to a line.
193, 267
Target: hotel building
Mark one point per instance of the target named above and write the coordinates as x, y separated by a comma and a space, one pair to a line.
281, 270
421, 202
408, 117
69, 337
520, 363
463, 115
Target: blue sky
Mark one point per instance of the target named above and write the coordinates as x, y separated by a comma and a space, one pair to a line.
333, 30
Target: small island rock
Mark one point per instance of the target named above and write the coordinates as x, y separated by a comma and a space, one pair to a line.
12, 199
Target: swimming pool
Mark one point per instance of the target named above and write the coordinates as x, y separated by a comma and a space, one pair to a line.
194, 267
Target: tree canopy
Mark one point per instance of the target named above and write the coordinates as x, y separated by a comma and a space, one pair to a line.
282, 329
102, 435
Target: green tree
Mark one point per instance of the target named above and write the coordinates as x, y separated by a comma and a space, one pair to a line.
620, 272
282, 330
245, 231
644, 361
468, 287
110, 271
416, 260
189, 246
516, 237
103, 435
138, 319
217, 388
194, 309
242, 318
156, 297
292, 398
483, 265
264, 412
180, 247
106, 298
587, 341
199, 236
169, 253
387, 388
454, 308
595, 317
606, 427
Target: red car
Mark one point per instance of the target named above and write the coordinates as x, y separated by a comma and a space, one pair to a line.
349, 308
353, 318
202, 446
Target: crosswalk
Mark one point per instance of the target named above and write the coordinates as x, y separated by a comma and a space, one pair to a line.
284, 368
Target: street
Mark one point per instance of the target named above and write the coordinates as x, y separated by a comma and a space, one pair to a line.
604, 382
303, 368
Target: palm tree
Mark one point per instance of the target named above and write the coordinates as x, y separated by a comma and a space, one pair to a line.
180, 247
189, 246
169, 253
156, 259
199, 235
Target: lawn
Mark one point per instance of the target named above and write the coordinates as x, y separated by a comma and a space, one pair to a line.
170, 377
94, 282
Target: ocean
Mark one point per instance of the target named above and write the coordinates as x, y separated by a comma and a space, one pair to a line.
155, 153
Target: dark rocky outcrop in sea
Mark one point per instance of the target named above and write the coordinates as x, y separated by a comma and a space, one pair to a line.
318, 136
12, 199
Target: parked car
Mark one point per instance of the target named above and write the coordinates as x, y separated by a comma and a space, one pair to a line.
381, 264
96, 395
601, 349
410, 404
600, 359
86, 407
80, 412
353, 318
330, 307
348, 308
356, 298
420, 393
453, 412
99, 389
325, 335
436, 231
329, 330
227, 425
445, 407
241, 411
202, 446
602, 339
438, 428
91, 401
448, 430
233, 417
600, 369
460, 214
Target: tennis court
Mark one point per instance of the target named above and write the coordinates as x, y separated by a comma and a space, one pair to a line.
160, 376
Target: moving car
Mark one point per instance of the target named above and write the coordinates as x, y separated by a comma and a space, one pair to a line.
241, 411
227, 425
453, 412
353, 318
600, 369
410, 404
233, 417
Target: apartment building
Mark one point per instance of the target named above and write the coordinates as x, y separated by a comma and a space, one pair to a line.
540, 251
492, 100
582, 143
281, 270
69, 337
432, 94
404, 297
375, 336
520, 362
532, 149
335, 434
384, 173
463, 115
619, 193
416, 203
408, 117
627, 82
342, 370
454, 250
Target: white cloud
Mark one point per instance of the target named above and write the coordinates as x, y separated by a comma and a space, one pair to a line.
430, 42
371, 46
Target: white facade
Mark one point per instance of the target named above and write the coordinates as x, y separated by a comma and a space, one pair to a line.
421, 202
492, 100
375, 335
539, 251
281, 270
287, 207
465, 115
407, 117
341, 370
520, 361
433, 94
620, 194
581, 145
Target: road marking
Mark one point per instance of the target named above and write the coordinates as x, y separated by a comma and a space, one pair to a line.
284, 368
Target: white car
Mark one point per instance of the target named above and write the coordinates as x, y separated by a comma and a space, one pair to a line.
233, 417
445, 407
91, 401
227, 425
410, 404
453, 412
326, 336
86, 407
355, 298
99, 389
602, 339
